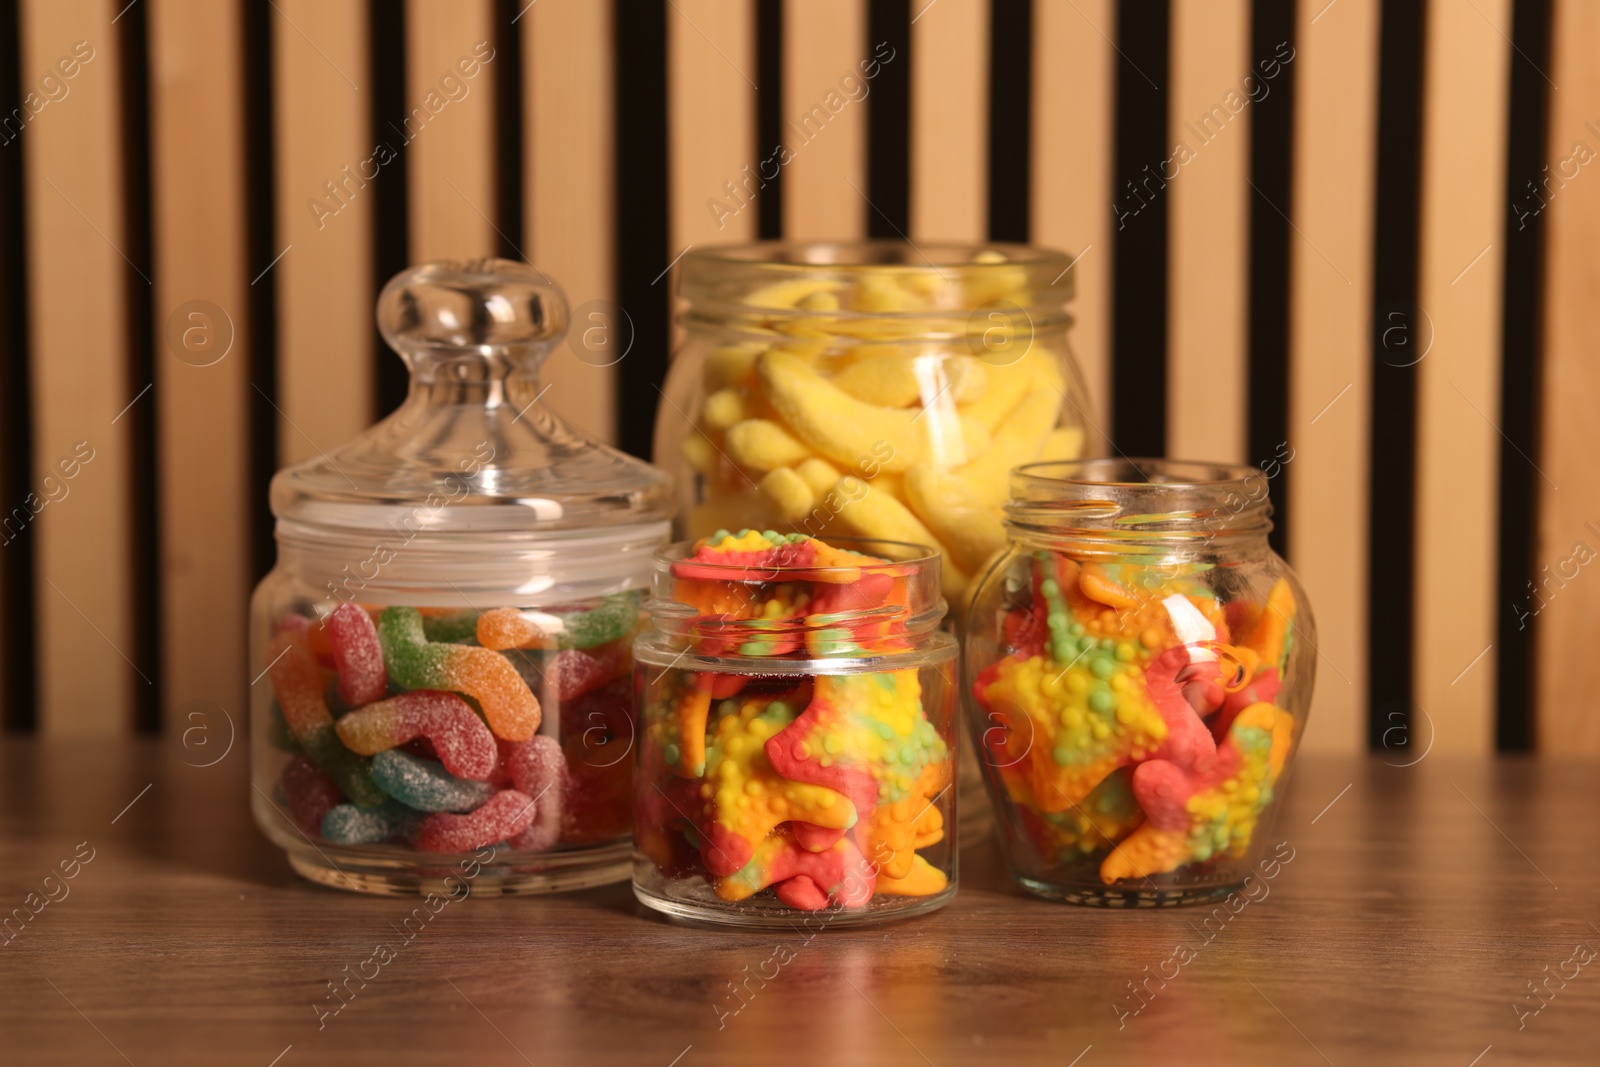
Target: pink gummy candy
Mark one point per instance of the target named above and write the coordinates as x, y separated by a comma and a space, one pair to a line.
539, 770
463, 742
311, 794
505, 815
357, 655
574, 671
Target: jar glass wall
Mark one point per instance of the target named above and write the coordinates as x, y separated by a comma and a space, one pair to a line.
798, 743
1139, 665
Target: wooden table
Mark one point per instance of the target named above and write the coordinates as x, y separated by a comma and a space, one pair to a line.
1417, 906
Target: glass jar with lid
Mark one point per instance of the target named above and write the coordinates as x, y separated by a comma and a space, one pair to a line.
442, 653
1138, 667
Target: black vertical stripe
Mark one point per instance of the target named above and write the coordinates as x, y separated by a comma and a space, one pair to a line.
1520, 385
508, 126
261, 249
144, 553
17, 650
1272, 38
391, 237
769, 113
1010, 118
889, 121
1400, 330
642, 254
1139, 241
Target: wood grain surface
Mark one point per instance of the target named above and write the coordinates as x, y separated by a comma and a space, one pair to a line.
1416, 906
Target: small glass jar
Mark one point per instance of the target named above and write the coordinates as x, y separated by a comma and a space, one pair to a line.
442, 664
1139, 665
797, 732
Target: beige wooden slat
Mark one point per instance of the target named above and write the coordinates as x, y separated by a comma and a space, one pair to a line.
450, 128
1330, 386
568, 189
198, 189
824, 46
1458, 445
949, 120
1073, 78
1208, 263
711, 122
80, 384
1565, 603
325, 163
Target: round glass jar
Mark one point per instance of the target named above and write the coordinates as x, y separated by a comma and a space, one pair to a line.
1139, 665
797, 733
873, 389
442, 664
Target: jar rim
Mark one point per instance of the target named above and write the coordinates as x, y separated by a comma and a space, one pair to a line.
1147, 498
914, 557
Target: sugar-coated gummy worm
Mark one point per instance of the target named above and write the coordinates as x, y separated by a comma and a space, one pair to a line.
350, 825
309, 792
505, 815
297, 681
486, 676
425, 785
465, 745
357, 655
539, 771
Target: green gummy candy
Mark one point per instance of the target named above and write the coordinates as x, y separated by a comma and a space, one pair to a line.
413, 661
616, 618
352, 773
457, 629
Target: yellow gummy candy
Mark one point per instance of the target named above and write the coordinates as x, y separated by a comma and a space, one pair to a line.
846, 430
1017, 440
1008, 382
790, 292
734, 365
875, 514
699, 453
819, 474
789, 493
762, 445
898, 381
1064, 442
723, 408
969, 530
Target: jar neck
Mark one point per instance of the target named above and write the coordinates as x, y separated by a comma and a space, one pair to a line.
489, 378
1141, 511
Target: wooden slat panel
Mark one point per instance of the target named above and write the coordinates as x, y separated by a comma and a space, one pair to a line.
451, 128
1568, 609
1071, 182
197, 171
568, 189
949, 118
1458, 401
324, 280
79, 378
711, 122
824, 44
1330, 385
1208, 262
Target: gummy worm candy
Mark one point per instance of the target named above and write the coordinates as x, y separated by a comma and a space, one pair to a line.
425, 785
297, 681
350, 825
309, 792
463, 742
539, 770
507, 628
357, 655
416, 663
503, 816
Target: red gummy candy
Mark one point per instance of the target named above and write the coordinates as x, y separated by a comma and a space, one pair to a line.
357, 655
574, 672
539, 770
463, 742
503, 816
311, 794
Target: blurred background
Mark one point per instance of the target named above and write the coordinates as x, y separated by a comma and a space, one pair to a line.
1348, 240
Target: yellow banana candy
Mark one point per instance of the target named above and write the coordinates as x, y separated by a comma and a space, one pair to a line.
819, 474
733, 365
1006, 382
1064, 442
762, 445
722, 409
871, 513
898, 381
789, 493
968, 530
1018, 440
792, 292
845, 429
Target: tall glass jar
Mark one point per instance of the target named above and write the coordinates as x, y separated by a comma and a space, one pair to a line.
797, 740
876, 389
1139, 667
441, 659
